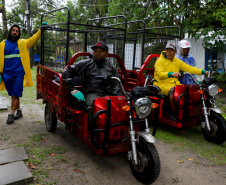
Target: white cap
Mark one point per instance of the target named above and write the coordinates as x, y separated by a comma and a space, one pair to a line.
185, 44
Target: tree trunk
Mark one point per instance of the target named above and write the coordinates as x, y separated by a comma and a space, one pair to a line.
4, 20
28, 13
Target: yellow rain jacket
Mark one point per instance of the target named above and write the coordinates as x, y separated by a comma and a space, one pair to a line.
164, 69
23, 45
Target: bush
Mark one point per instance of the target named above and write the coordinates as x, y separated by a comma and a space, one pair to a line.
221, 77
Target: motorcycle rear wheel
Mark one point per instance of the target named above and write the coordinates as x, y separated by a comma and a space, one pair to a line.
50, 119
217, 134
148, 168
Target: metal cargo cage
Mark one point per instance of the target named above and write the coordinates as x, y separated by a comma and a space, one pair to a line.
146, 41
132, 41
61, 40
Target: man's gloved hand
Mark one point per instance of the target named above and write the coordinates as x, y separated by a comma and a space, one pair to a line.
77, 94
45, 23
1, 74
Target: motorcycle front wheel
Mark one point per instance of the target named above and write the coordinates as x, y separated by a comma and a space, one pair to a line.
148, 168
217, 133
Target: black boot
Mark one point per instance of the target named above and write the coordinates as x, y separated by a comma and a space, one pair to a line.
18, 114
173, 116
10, 119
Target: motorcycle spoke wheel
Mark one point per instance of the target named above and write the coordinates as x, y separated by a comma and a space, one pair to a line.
50, 119
217, 133
213, 129
148, 168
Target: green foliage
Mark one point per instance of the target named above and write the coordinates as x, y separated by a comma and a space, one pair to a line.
88, 9
134, 10
206, 17
221, 77
17, 13
1, 36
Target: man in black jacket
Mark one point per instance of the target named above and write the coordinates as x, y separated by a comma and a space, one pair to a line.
88, 69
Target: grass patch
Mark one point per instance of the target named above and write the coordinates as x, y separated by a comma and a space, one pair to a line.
193, 140
61, 159
34, 140
30, 92
224, 115
39, 152
6, 138
4, 93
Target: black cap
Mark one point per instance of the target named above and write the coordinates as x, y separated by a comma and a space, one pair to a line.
101, 45
170, 46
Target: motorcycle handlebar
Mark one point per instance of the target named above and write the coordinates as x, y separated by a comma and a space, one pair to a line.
120, 82
148, 77
106, 77
187, 73
209, 75
211, 72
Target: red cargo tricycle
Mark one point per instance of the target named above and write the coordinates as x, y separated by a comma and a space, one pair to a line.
121, 122
196, 104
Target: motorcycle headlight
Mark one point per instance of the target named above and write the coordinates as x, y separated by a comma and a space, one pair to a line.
143, 107
213, 90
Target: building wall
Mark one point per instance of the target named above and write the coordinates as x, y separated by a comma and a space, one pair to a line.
197, 51
129, 54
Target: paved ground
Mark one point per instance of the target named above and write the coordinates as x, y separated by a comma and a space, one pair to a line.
12, 167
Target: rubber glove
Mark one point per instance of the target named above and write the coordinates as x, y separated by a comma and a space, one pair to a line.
77, 94
45, 23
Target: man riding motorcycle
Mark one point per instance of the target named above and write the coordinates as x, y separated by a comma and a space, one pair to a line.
167, 71
88, 69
